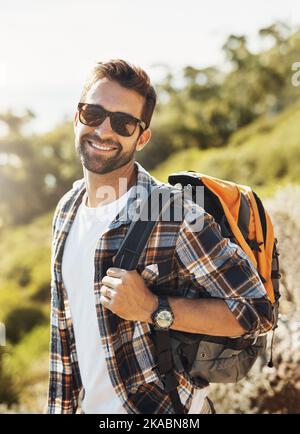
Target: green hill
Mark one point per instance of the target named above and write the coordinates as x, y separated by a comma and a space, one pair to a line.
265, 155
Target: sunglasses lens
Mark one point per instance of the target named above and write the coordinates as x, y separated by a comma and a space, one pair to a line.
123, 125
91, 115
94, 115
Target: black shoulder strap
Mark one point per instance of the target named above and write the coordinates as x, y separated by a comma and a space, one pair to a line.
244, 217
165, 364
262, 215
140, 230
135, 241
127, 258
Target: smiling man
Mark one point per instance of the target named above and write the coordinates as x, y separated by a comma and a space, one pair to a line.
102, 355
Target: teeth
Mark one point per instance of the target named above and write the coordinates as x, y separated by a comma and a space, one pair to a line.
101, 148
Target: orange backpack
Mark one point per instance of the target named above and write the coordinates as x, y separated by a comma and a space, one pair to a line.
242, 218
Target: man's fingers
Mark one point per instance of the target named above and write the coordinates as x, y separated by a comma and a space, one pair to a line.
107, 292
110, 281
106, 302
116, 272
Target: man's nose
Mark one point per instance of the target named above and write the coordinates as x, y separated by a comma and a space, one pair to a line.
104, 128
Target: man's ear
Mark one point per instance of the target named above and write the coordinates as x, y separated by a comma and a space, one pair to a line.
144, 139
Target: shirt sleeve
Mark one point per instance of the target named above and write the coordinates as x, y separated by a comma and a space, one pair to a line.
220, 269
60, 398
55, 362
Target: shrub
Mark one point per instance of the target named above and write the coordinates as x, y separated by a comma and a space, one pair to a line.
20, 321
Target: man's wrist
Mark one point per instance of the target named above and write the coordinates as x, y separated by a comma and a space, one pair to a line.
152, 305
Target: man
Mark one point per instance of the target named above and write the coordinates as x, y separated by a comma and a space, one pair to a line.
102, 353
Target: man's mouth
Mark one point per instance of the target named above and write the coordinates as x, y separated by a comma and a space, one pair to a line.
101, 147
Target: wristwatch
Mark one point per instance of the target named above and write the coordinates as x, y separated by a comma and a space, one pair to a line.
163, 316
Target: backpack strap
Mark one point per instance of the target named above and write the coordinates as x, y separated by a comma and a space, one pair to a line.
139, 232
127, 258
244, 216
262, 216
166, 367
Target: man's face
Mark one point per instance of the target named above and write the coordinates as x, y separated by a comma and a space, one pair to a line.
112, 97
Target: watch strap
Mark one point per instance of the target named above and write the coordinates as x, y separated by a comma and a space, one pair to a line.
163, 302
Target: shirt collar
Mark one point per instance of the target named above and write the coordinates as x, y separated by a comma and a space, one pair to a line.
144, 185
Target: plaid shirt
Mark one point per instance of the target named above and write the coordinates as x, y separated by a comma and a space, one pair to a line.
204, 264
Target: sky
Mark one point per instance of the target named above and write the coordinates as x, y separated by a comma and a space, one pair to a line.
48, 46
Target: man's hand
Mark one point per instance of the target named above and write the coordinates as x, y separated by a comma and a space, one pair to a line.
126, 294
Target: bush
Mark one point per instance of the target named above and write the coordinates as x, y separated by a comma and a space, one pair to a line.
20, 321
8, 392
24, 373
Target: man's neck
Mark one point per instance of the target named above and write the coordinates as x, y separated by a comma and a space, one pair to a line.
105, 188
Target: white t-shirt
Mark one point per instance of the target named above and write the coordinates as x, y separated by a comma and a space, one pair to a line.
78, 276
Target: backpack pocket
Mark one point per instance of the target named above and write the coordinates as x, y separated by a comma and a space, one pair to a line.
216, 363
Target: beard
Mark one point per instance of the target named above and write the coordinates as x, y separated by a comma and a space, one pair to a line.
100, 162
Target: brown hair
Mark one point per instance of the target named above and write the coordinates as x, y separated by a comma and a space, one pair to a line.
129, 76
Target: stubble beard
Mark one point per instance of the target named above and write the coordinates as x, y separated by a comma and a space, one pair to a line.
99, 164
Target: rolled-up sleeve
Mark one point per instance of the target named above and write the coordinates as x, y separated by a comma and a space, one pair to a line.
220, 269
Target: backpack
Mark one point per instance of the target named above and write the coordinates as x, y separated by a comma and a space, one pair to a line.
244, 220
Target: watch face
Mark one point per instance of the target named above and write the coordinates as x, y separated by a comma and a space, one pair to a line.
164, 319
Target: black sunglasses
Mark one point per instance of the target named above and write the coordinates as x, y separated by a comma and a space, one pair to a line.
123, 124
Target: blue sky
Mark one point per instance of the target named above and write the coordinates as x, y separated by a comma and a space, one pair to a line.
47, 47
